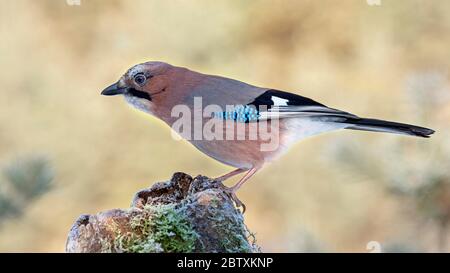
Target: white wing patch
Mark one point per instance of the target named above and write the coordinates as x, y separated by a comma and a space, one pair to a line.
279, 101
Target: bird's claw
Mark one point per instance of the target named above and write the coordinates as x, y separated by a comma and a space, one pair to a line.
232, 193
238, 202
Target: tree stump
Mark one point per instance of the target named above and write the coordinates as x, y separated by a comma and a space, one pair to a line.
181, 215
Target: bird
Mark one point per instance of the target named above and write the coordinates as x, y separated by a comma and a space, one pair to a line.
158, 88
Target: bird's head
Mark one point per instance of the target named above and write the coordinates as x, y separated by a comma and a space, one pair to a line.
141, 83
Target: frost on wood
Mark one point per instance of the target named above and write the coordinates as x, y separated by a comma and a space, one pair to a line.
184, 214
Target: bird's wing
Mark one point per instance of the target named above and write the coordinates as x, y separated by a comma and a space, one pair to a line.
216, 90
278, 104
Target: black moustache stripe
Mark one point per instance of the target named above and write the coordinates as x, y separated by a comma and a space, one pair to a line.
139, 94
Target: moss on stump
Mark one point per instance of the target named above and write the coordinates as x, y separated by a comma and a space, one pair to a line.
184, 214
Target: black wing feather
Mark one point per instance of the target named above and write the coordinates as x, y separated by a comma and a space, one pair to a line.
296, 106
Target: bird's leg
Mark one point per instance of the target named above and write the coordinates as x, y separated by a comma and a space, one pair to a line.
229, 175
232, 190
244, 179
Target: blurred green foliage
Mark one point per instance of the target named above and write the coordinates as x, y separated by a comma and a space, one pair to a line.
420, 177
23, 181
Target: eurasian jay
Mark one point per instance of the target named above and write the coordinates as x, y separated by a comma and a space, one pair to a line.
158, 88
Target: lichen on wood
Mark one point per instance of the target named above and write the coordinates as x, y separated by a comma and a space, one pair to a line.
184, 214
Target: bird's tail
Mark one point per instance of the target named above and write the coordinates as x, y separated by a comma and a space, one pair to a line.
376, 125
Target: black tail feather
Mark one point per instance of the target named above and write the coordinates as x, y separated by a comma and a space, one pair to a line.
376, 125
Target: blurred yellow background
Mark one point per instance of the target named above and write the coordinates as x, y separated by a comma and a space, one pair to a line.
335, 192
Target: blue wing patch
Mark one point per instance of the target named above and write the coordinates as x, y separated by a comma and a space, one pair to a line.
240, 113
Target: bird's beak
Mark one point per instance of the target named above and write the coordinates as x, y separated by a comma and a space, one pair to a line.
113, 90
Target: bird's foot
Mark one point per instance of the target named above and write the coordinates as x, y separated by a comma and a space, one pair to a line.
232, 193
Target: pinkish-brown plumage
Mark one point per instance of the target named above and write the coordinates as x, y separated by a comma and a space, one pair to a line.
161, 90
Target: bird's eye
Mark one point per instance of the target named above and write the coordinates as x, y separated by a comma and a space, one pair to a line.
140, 79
